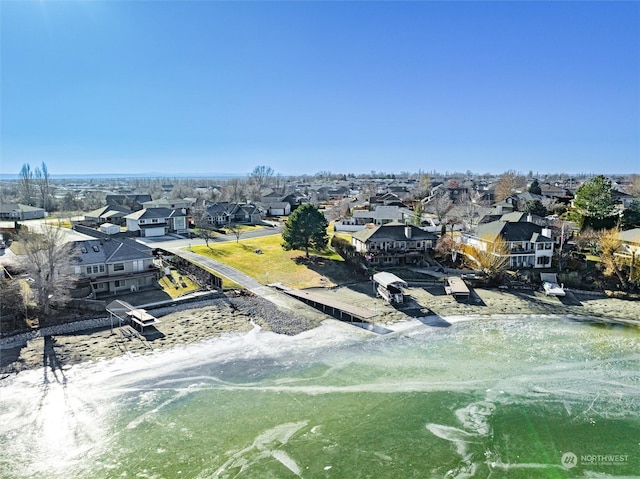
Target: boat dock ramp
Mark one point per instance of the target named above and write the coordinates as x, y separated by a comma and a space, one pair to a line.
356, 315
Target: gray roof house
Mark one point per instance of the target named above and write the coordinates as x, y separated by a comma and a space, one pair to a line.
530, 245
393, 244
108, 214
157, 221
20, 212
109, 266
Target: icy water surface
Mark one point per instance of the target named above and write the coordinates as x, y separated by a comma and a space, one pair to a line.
499, 398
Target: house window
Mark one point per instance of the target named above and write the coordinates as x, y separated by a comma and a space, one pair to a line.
118, 283
547, 246
154, 220
118, 267
542, 260
540, 246
88, 269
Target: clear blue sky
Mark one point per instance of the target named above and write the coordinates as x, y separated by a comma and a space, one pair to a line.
220, 87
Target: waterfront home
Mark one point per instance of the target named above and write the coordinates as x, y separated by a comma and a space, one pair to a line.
393, 244
630, 240
530, 245
109, 266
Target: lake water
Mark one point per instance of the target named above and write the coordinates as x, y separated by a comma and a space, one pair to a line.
499, 398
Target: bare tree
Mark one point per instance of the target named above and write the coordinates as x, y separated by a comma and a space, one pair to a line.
43, 184
423, 188
439, 206
235, 230
507, 183
235, 189
204, 229
47, 260
26, 184
341, 209
261, 176
635, 185
467, 210
610, 248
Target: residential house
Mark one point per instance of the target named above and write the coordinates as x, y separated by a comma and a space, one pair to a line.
220, 214
393, 244
530, 245
108, 214
110, 266
246, 213
173, 204
157, 221
275, 208
20, 212
132, 201
386, 199
381, 215
295, 199
623, 199
630, 240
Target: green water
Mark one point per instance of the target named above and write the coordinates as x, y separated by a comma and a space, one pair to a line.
489, 398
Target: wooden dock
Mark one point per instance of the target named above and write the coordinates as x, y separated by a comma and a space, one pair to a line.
338, 309
456, 287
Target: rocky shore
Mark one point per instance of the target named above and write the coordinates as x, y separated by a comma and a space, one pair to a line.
94, 339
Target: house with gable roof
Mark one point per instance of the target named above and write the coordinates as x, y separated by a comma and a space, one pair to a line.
530, 245
157, 221
110, 266
221, 213
20, 212
393, 244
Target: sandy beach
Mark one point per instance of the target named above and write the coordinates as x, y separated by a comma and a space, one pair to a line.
200, 321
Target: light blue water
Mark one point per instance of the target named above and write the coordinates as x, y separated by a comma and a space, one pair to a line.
499, 398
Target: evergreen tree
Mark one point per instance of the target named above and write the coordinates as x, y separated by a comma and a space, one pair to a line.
595, 203
631, 216
535, 207
534, 188
306, 228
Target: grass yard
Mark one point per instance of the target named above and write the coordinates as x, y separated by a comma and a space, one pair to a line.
177, 287
274, 265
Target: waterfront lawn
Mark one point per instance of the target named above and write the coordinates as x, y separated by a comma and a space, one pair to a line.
177, 285
274, 265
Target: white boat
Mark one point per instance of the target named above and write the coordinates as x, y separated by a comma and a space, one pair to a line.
550, 285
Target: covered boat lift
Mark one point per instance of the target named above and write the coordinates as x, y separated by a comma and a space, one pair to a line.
390, 287
125, 312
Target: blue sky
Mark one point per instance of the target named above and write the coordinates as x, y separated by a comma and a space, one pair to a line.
220, 87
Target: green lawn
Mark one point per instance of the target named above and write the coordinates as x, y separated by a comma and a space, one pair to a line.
175, 288
274, 265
